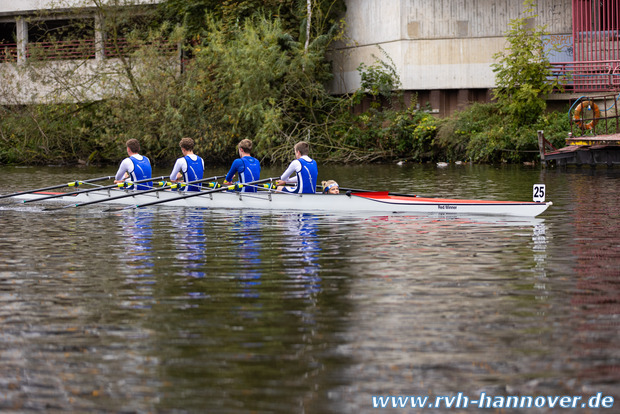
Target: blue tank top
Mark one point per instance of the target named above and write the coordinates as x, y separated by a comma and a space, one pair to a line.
251, 172
306, 178
141, 171
195, 171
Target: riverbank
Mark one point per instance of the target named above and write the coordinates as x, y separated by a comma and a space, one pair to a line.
75, 135
253, 77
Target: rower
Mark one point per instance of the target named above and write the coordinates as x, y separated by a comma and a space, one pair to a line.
305, 170
190, 167
246, 167
135, 167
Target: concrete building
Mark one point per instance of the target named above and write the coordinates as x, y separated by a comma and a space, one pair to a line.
63, 68
443, 49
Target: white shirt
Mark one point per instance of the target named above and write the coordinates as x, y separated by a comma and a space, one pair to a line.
293, 168
181, 166
126, 167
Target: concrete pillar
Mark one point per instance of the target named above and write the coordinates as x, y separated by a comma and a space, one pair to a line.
435, 100
463, 98
99, 38
22, 39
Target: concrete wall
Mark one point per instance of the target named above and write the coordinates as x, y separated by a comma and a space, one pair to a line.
18, 6
435, 44
61, 81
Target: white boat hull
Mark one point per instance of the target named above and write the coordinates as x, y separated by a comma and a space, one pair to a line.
355, 203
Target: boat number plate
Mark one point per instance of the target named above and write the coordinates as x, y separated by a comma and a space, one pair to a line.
539, 193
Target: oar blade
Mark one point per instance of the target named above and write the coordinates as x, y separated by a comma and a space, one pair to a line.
115, 209
59, 208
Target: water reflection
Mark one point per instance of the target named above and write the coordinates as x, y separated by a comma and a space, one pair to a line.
595, 296
248, 247
190, 243
136, 259
187, 310
539, 247
301, 253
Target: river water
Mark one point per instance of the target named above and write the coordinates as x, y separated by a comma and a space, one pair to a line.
172, 310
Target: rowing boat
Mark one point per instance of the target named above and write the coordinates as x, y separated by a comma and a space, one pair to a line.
351, 202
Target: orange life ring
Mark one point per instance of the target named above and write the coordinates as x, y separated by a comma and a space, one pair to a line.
590, 106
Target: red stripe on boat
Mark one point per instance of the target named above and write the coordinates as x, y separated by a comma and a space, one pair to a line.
386, 197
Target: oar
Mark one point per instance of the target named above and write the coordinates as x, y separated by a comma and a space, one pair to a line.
70, 184
90, 190
166, 187
223, 188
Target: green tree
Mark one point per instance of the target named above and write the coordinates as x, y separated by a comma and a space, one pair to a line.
380, 79
523, 74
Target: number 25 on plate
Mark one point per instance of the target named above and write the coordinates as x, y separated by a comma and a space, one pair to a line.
539, 193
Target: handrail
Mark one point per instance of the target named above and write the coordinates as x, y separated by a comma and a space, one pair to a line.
67, 49
8, 52
79, 49
590, 76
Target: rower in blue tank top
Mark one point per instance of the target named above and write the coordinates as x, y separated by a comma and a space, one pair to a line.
305, 170
246, 167
190, 167
135, 167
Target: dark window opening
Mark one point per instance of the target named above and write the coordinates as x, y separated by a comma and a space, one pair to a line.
8, 33
8, 42
60, 30
61, 39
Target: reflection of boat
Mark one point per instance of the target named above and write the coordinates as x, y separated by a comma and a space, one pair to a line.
366, 202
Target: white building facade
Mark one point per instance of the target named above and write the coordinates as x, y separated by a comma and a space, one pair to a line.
443, 49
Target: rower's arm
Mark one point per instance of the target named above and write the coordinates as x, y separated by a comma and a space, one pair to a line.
292, 169
176, 174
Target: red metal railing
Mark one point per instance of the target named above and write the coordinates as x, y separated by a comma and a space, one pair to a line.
596, 48
86, 49
596, 30
8, 52
601, 76
61, 50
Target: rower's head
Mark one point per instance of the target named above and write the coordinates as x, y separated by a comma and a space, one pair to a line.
330, 187
302, 148
244, 147
133, 146
187, 145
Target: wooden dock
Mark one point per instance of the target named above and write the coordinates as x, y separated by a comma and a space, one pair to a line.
585, 150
